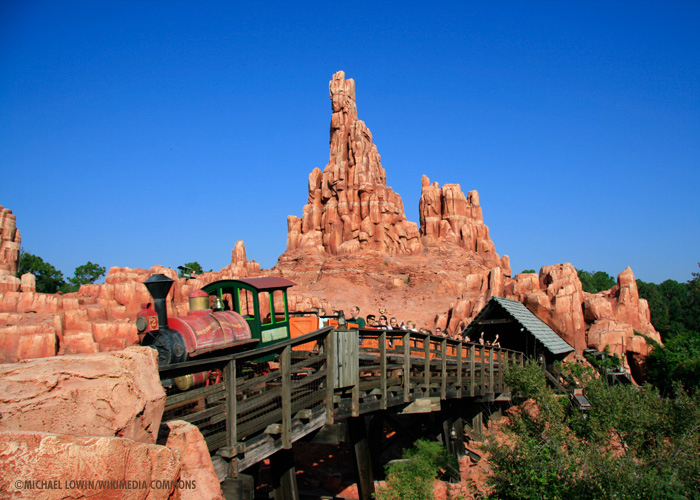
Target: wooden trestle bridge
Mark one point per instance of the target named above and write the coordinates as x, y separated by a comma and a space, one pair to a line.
322, 378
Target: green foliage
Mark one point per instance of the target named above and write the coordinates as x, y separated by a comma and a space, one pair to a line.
83, 275
529, 271
48, 278
631, 444
678, 361
595, 282
188, 269
412, 477
674, 307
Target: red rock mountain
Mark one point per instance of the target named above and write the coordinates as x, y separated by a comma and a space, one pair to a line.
351, 209
351, 246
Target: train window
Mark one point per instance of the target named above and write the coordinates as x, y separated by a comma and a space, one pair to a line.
246, 301
280, 305
265, 301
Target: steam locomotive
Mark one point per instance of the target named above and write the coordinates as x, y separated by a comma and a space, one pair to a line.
225, 316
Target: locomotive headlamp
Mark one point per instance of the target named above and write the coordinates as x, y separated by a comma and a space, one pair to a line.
141, 324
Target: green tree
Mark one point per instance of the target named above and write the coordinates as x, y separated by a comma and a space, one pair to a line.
190, 268
529, 271
595, 282
674, 306
631, 444
48, 278
412, 477
83, 275
678, 361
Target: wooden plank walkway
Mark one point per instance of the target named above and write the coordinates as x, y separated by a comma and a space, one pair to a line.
326, 376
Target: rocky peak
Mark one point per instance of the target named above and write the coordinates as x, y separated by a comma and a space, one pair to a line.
446, 215
10, 241
350, 207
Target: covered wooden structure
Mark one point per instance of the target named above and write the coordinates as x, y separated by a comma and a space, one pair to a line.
517, 329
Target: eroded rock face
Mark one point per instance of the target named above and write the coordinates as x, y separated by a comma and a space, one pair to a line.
350, 207
63, 466
105, 394
603, 320
103, 412
196, 462
446, 215
97, 318
10, 242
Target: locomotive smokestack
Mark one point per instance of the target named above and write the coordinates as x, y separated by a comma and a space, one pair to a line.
158, 286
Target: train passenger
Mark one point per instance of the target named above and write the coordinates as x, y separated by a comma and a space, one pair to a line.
382, 323
371, 321
394, 324
496, 342
355, 317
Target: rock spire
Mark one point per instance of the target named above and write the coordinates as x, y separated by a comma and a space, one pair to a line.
350, 207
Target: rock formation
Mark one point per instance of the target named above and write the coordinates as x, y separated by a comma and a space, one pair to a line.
86, 426
197, 467
446, 215
61, 466
10, 241
350, 207
115, 394
352, 246
97, 318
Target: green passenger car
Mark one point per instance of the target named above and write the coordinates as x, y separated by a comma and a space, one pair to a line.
261, 301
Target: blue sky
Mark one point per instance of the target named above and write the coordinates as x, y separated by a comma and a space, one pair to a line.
142, 133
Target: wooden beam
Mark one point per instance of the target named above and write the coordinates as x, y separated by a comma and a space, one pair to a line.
501, 321
286, 374
407, 367
284, 477
231, 417
382, 363
362, 456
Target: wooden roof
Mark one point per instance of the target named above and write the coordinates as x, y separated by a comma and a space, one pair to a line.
500, 309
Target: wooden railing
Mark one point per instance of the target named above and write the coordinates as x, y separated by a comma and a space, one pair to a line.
273, 396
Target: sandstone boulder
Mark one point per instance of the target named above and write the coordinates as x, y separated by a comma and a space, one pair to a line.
49, 466
196, 462
105, 394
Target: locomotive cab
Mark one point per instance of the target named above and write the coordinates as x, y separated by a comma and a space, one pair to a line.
261, 301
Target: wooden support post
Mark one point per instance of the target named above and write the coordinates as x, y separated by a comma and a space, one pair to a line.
331, 374
447, 437
242, 487
382, 364
406, 367
491, 368
478, 423
362, 458
426, 366
376, 441
231, 420
472, 371
443, 369
458, 427
284, 477
460, 358
483, 371
286, 374
502, 369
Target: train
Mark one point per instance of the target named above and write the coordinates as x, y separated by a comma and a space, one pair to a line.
225, 316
